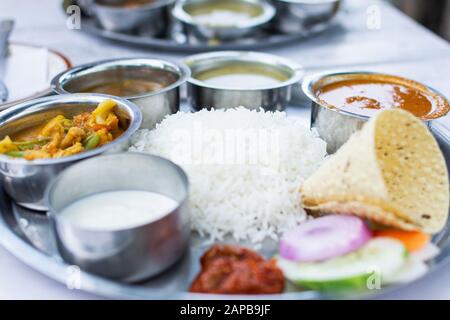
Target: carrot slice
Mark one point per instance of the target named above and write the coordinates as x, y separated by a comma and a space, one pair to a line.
413, 240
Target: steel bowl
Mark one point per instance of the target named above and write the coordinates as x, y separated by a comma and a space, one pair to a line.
335, 125
25, 181
86, 6
304, 16
129, 254
263, 12
149, 19
154, 105
203, 95
3, 92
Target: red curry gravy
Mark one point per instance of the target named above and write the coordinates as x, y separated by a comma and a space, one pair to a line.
367, 95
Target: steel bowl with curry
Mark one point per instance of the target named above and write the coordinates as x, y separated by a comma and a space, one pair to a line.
342, 102
62, 137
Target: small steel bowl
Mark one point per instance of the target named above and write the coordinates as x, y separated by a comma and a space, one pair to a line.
149, 19
130, 254
3, 92
202, 95
25, 181
154, 105
304, 16
86, 6
335, 125
262, 12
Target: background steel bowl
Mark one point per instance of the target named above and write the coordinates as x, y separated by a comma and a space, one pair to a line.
201, 95
25, 181
131, 254
334, 125
3, 92
304, 16
85, 5
154, 105
203, 32
149, 19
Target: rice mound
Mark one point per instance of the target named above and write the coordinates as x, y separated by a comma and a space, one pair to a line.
245, 168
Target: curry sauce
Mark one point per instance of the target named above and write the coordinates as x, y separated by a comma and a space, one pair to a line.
366, 96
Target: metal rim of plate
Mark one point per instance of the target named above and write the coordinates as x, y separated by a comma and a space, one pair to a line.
89, 26
21, 245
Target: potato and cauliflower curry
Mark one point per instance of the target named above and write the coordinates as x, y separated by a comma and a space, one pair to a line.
62, 137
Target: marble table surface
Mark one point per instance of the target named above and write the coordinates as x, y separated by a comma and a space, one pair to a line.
388, 41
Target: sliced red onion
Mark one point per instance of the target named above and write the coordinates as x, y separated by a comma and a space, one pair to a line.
324, 238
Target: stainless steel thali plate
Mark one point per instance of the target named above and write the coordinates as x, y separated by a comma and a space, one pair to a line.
29, 237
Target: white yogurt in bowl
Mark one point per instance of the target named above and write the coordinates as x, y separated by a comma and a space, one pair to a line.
117, 210
122, 216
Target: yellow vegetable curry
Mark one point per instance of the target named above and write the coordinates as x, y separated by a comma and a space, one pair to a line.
62, 137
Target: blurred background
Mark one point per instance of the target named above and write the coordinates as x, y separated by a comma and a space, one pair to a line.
433, 14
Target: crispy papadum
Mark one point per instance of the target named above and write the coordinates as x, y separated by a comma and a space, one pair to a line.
391, 172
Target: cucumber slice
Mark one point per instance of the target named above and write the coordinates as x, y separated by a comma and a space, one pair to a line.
380, 256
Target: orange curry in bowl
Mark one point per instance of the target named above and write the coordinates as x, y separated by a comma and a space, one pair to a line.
365, 94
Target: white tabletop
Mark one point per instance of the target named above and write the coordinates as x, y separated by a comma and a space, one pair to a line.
393, 44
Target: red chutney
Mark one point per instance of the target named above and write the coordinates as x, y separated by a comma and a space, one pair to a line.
228, 269
367, 96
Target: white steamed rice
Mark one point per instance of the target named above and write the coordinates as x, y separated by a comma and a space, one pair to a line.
244, 167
